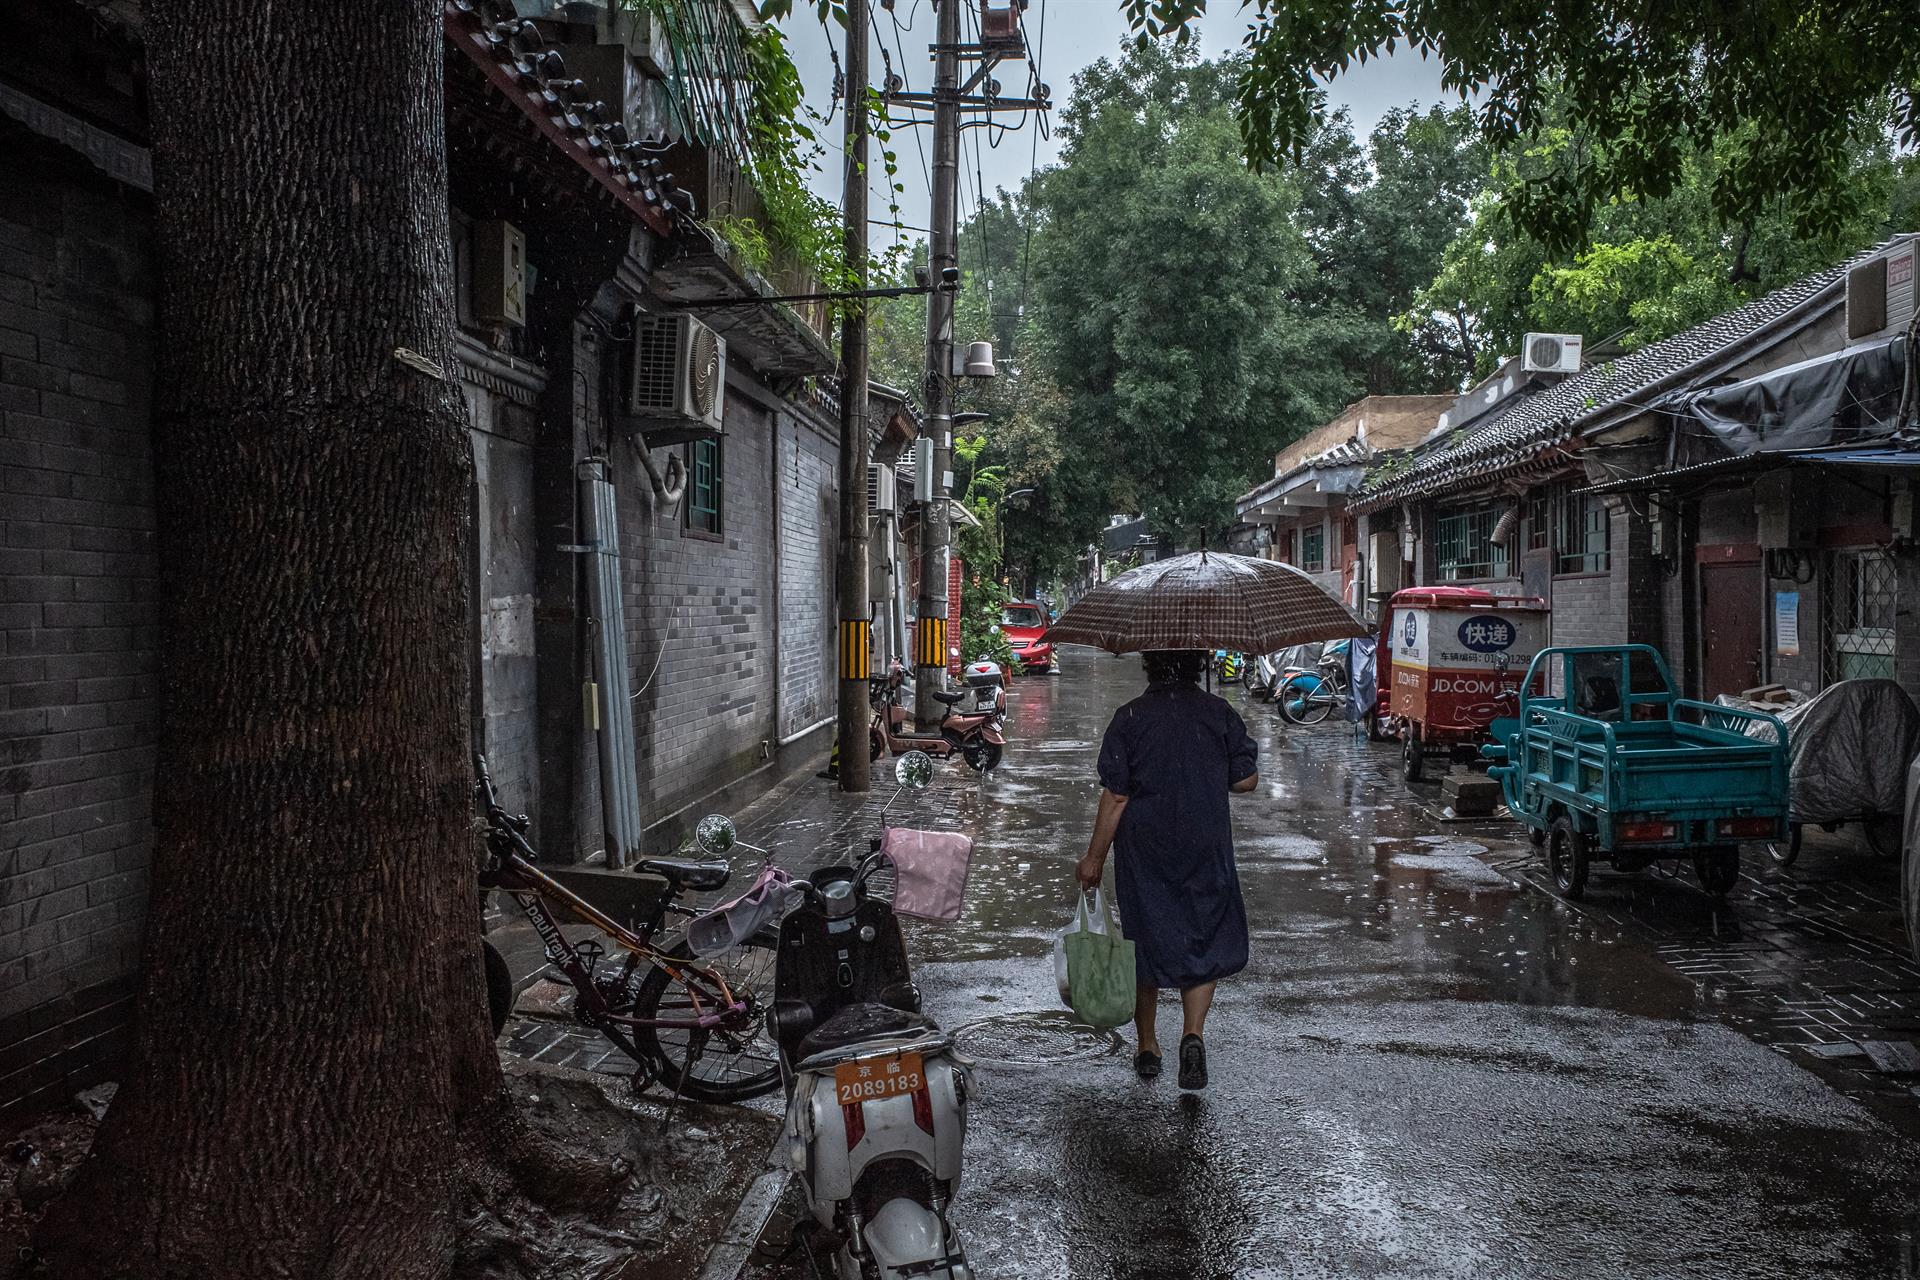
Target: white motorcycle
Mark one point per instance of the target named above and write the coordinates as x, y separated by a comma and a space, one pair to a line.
876, 1096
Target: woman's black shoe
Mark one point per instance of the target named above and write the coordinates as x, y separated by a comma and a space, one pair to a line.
1146, 1065
1193, 1063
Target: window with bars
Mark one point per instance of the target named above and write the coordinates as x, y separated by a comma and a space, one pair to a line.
1463, 544
1539, 518
1860, 594
1583, 533
1313, 548
703, 486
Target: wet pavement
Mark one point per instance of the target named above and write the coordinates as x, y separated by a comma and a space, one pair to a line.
1432, 1067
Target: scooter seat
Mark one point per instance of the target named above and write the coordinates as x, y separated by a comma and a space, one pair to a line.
949, 696
860, 1022
682, 873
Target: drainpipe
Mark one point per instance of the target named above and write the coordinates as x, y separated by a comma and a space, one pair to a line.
611, 696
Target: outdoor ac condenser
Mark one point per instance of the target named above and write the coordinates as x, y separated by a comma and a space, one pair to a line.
679, 372
1551, 353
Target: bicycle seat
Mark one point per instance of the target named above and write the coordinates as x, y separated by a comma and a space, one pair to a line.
949, 697
683, 873
858, 1023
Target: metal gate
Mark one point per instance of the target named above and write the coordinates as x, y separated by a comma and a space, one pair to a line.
1859, 595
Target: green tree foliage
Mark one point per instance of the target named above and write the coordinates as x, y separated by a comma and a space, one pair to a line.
1776, 90
1648, 268
1378, 223
1164, 298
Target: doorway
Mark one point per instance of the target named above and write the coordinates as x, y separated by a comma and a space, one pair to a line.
1730, 632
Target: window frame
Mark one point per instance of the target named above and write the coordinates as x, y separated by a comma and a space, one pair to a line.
709, 521
1314, 535
1475, 522
1583, 521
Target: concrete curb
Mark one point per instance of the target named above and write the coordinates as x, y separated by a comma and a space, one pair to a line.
734, 1249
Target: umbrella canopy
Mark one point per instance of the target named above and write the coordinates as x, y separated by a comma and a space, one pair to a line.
1206, 600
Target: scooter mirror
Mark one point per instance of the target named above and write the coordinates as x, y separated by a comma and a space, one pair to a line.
715, 834
914, 769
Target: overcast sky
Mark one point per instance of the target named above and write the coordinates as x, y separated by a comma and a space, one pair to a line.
1076, 33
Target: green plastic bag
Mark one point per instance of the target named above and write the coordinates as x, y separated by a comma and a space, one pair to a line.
1101, 978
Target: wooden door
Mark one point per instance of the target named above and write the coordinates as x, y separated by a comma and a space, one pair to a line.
1730, 630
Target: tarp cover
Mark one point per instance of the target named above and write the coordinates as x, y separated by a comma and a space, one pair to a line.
1839, 398
1850, 748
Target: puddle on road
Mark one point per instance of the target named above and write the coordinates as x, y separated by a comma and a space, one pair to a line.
1032, 1039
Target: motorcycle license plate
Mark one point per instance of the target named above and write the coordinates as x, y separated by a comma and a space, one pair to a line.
872, 1079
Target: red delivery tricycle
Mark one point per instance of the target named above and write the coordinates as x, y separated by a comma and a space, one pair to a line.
1450, 662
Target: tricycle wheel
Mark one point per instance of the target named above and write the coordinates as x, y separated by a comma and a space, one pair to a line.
1537, 837
1718, 869
1883, 835
1413, 754
1567, 857
1784, 852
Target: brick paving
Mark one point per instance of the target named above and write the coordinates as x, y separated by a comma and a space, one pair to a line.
1812, 960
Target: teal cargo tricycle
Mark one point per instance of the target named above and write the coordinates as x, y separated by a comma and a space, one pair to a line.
1616, 767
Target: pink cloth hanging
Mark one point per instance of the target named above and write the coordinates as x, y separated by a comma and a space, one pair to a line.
931, 871
733, 922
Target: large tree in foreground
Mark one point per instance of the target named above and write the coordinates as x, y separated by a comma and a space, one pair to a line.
1782, 88
309, 1040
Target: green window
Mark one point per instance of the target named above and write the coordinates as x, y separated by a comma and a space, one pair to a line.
703, 486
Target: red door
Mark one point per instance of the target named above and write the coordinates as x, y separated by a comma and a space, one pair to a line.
1730, 632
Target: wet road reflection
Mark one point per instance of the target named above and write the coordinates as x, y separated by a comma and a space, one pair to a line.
1425, 1071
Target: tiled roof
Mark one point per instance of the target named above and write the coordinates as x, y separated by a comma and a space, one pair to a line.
1537, 426
515, 58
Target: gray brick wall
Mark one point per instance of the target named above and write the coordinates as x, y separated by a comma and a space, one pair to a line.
503, 599
79, 619
700, 621
809, 515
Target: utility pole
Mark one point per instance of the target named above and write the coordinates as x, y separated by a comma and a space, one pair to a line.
856, 626
930, 639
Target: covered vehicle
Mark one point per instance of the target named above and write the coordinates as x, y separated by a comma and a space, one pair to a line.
1024, 624
1849, 749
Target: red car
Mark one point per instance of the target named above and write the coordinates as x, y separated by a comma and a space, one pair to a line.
1022, 622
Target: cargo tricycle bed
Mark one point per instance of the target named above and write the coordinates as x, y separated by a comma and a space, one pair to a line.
1604, 762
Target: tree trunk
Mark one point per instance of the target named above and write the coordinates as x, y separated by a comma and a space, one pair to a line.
311, 1034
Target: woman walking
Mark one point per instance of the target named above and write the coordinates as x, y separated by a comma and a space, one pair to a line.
1167, 764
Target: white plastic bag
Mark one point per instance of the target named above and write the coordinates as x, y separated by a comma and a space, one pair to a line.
1092, 916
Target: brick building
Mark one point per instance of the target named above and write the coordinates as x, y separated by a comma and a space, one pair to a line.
1300, 516
1544, 485
709, 667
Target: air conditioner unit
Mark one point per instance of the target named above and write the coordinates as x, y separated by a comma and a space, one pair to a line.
883, 484
1551, 353
679, 372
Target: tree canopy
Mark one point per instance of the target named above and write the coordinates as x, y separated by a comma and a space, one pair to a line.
1778, 90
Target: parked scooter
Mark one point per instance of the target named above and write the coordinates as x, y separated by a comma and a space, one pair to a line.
971, 725
876, 1096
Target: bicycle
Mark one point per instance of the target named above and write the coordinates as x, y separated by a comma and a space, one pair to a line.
1308, 697
697, 1024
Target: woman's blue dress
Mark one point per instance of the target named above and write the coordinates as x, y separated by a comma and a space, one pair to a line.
1173, 752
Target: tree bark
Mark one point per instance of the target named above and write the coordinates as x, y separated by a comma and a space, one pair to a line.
311, 1037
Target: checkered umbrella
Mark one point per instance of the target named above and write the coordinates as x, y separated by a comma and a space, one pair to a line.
1206, 600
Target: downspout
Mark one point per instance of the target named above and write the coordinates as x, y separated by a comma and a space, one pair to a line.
612, 702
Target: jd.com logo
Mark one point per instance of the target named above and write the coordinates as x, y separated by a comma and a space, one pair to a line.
1412, 629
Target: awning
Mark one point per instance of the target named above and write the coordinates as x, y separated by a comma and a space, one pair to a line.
1892, 454
1832, 399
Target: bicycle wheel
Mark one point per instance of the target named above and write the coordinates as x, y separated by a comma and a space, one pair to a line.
724, 1064
1318, 705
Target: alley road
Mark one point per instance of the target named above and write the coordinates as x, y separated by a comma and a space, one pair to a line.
1427, 1069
